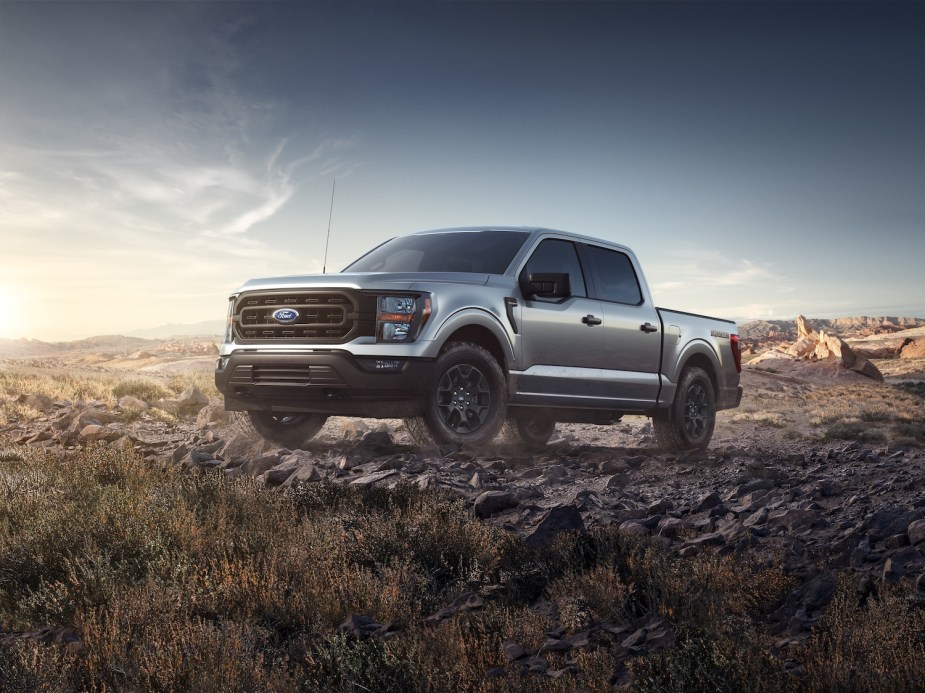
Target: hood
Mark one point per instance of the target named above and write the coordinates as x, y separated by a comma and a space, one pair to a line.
365, 281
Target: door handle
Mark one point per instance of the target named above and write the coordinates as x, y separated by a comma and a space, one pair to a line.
590, 320
648, 328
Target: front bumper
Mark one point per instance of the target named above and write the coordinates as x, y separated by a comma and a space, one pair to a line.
333, 382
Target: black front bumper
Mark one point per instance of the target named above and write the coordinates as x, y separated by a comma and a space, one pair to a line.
329, 382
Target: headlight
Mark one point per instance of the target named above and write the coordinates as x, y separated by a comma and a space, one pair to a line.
400, 318
229, 322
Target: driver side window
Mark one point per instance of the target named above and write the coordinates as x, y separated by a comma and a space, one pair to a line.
554, 255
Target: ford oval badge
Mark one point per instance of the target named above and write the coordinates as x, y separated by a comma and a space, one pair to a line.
285, 315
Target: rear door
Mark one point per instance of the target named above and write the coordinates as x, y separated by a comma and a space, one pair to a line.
563, 341
631, 328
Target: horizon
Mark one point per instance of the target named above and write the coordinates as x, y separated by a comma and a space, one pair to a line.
762, 159
165, 335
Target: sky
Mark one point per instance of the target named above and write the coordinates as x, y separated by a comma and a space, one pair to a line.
763, 159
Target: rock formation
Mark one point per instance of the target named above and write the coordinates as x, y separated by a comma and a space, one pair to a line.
822, 346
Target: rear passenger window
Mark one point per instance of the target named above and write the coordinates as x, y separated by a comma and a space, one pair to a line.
554, 255
614, 277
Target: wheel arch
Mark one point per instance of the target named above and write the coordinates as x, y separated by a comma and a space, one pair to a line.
479, 328
699, 354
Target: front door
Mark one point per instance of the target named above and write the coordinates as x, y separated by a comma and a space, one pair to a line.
563, 338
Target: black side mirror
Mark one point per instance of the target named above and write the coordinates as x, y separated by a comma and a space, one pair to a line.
547, 285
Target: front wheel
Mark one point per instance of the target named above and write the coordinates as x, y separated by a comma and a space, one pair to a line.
466, 400
290, 430
688, 423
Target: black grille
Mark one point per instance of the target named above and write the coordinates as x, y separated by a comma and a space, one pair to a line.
324, 317
285, 376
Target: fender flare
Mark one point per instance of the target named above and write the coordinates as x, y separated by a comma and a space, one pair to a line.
477, 317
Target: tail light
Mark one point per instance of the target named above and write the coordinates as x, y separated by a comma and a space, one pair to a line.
736, 353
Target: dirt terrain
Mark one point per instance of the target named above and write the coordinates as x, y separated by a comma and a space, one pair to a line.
819, 467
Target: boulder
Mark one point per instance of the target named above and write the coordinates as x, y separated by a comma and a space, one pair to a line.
491, 502
94, 433
191, 401
803, 347
372, 446
913, 350
212, 414
916, 532
805, 329
562, 518
40, 403
129, 403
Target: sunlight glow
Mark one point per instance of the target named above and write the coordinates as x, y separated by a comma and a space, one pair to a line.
11, 315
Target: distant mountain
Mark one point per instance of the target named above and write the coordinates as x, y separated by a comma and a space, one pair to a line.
207, 327
861, 326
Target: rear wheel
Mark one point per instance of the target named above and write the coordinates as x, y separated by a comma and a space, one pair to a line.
466, 400
529, 432
688, 423
290, 430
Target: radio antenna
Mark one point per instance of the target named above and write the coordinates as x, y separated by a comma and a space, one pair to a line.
324, 266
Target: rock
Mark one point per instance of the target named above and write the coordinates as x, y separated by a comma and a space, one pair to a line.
259, 465
373, 445
563, 518
306, 473
913, 350
513, 651
916, 532
129, 403
373, 477
892, 571
554, 472
707, 501
279, 474
354, 428
633, 529
467, 601
802, 347
613, 467
364, 627
240, 448
805, 329
94, 433
670, 527
38, 402
490, 502
889, 521
795, 520
759, 517
212, 414
191, 401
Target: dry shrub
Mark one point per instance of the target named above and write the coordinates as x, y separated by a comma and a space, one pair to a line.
144, 389
764, 418
878, 645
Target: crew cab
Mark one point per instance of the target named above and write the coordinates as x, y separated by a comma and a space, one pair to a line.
466, 331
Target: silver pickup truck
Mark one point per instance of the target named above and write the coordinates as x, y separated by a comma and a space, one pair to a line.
466, 331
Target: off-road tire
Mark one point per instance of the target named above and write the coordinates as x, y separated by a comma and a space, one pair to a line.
289, 430
529, 432
466, 398
688, 423
418, 431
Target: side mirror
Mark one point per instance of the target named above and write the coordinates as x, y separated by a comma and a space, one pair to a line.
547, 285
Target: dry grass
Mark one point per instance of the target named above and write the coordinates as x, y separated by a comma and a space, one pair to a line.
868, 413
178, 581
60, 384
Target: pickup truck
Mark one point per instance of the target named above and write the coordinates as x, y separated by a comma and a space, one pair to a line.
465, 332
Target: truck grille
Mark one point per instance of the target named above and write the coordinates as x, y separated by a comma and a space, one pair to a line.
324, 317
285, 376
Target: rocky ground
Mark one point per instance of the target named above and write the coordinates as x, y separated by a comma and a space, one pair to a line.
820, 467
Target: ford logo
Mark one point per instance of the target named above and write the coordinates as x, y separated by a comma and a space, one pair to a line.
285, 315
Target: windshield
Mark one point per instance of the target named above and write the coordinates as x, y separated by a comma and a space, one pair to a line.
480, 252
